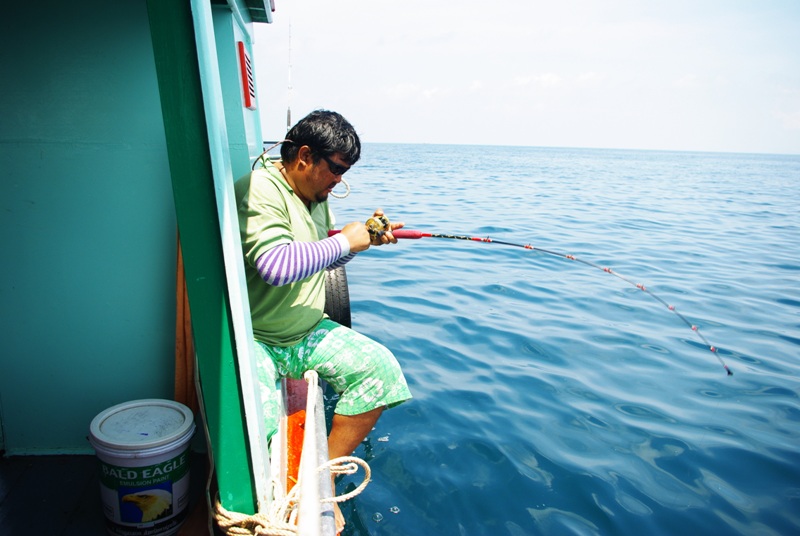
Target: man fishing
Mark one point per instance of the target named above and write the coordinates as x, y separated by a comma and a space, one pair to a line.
284, 219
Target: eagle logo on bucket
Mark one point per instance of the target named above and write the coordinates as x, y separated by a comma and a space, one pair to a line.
146, 505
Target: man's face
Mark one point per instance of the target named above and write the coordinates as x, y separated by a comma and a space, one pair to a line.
324, 176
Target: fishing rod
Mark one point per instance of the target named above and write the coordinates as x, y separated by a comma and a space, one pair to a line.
377, 226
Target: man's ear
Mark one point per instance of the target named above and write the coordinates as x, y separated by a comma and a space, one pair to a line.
305, 157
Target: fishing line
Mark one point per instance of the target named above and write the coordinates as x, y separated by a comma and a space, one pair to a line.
377, 226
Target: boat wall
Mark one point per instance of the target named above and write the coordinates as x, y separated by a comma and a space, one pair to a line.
87, 223
245, 140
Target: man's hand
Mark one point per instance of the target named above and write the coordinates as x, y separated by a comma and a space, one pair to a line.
386, 237
356, 233
360, 239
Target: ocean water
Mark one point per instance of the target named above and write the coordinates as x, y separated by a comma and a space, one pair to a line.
551, 397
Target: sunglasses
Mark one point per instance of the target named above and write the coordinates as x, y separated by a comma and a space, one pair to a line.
336, 169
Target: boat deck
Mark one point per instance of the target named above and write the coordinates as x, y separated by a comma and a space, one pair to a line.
60, 496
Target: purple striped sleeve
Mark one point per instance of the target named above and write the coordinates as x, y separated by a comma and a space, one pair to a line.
341, 262
295, 261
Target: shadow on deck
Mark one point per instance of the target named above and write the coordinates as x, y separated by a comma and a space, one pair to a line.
60, 496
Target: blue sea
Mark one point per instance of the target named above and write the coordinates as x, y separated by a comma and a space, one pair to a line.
551, 397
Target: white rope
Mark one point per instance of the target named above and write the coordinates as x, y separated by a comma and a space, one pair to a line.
347, 465
280, 519
347, 192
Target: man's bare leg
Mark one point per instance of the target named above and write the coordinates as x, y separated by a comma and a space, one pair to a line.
347, 432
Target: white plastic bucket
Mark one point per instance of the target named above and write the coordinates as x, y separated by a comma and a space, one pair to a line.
143, 448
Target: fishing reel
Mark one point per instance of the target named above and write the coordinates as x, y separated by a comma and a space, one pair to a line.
377, 226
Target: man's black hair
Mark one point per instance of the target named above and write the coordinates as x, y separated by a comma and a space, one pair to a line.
326, 133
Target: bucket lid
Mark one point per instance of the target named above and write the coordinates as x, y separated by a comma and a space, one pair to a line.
141, 424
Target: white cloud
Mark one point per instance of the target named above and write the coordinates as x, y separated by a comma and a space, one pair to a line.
600, 71
789, 120
409, 91
591, 78
687, 81
403, 91
548, 80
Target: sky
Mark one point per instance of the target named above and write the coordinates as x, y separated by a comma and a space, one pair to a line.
702, 75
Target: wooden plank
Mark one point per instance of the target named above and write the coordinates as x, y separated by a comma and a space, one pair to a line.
11, 470
47, 491
61, 495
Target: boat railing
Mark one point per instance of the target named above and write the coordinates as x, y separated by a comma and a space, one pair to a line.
315, 513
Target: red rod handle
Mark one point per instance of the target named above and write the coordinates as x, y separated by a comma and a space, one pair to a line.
408, 233
399, 233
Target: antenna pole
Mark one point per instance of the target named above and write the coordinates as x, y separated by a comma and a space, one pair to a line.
289, 81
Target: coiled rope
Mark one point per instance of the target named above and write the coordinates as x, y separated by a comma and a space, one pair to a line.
281, 518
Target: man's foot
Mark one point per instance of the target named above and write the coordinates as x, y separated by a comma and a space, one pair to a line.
337, 512
337, 515
347, 432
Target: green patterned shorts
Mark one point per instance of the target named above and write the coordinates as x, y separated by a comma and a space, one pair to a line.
364, 373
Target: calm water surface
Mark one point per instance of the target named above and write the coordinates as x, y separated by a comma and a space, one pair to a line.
554, 398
